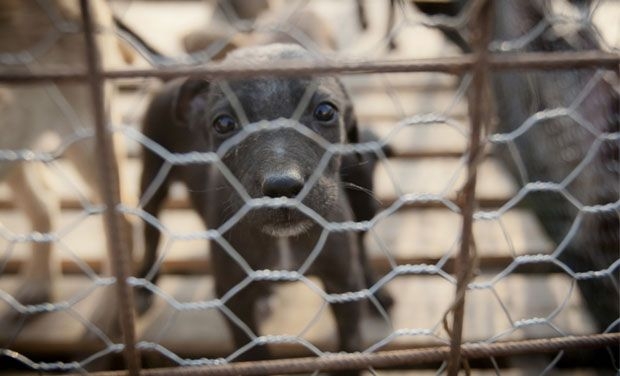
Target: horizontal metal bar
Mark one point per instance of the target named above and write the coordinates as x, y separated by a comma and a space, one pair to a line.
387, 359
554, 60
450, 65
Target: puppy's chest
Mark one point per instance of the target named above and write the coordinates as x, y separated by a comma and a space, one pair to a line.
285, 256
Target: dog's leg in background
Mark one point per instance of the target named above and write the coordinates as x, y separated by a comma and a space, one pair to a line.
84, 157
33, 195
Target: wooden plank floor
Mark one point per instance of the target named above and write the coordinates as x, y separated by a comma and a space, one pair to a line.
297, 310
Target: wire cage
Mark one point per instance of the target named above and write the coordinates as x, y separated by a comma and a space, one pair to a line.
493, 198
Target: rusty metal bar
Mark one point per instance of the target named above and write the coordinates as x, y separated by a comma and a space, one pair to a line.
388, 359
479, 113
452, 65
119, 255
553, 60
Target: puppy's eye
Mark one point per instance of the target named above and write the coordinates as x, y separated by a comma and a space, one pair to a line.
224, 124
325, 112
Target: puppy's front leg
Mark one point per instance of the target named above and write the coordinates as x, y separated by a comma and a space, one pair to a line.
341, 275
243, 326
151, 165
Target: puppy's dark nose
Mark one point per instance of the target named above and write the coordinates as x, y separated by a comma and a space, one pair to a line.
287, 184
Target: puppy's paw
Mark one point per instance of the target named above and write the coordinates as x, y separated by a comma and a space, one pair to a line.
35, 291
30, 292
104, 319
385, 299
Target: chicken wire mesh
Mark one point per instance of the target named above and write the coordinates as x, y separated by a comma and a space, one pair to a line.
571, 115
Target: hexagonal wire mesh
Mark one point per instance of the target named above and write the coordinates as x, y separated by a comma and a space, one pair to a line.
446, 232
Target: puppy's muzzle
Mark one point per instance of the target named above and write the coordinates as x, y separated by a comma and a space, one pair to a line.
277, 162
283, 221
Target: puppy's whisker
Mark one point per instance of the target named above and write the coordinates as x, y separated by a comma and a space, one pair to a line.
204, 190
349, 167
367, 191
228, 209
207, 189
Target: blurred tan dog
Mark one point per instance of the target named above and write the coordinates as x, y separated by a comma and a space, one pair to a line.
37, 35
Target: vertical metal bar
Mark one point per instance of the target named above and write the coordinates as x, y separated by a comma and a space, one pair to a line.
479, 111
119, 256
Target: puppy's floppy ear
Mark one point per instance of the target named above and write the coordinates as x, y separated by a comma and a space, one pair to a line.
187, 99
350, 119
351, 125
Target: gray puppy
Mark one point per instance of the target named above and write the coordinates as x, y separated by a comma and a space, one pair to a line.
272, 154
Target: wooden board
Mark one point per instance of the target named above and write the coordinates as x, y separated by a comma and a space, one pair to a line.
297, 310
406, 237
430, 82
441, 177
422, 141
380, 105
